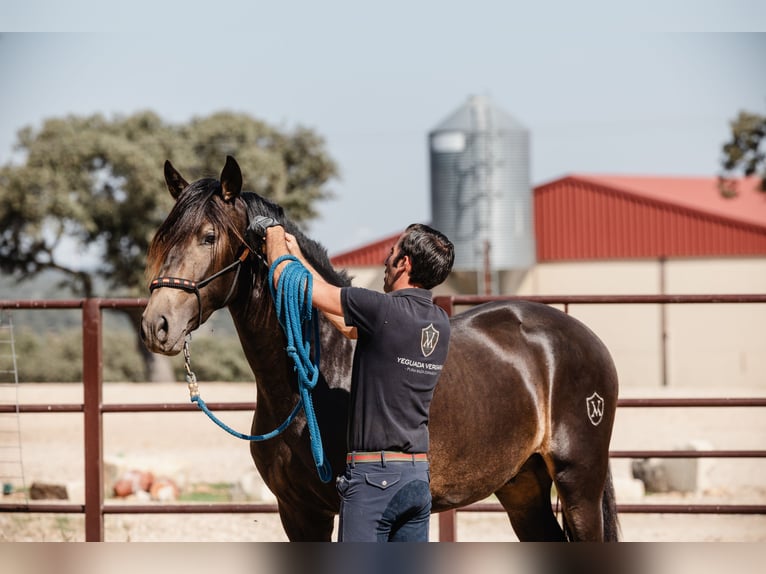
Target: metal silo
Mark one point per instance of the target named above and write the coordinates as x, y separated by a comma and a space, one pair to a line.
480, 192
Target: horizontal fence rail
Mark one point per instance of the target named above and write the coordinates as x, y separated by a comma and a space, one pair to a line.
93, 408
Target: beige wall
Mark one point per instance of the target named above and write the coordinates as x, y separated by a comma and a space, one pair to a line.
372, 278
711, 345
708, 345
367, 277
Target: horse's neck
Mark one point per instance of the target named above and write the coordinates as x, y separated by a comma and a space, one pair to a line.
263, 344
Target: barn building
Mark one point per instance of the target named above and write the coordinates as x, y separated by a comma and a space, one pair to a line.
639, 235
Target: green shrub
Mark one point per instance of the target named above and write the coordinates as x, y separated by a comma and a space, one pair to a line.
217, 358
56, 356
49, 356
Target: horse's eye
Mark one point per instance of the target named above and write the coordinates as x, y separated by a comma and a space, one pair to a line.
209, 238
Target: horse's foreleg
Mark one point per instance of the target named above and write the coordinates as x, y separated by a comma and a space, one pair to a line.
527, 500
303, 524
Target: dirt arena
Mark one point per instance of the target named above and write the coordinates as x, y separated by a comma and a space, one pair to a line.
188, 447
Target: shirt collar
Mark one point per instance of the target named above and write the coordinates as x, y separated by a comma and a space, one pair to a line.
413, 292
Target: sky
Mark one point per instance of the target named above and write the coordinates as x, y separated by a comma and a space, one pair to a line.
643, 89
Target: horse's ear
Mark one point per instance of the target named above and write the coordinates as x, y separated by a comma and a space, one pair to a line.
174, 180
231, 179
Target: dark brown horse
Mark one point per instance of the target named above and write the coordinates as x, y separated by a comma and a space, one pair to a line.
526, 399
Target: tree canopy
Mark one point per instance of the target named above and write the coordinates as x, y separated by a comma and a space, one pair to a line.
745, 153
94, 183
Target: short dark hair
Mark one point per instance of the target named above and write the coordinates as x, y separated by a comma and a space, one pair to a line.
431, 254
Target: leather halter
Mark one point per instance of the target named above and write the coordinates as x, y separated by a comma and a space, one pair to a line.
194, 286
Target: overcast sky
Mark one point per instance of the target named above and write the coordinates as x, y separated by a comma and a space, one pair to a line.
648, 89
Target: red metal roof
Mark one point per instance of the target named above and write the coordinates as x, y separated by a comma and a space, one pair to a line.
695, 193
622, 217
370, 255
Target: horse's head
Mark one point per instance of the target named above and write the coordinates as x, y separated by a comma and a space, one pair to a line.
199, 260
189, 256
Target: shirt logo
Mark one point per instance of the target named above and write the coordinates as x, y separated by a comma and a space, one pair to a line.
429, 337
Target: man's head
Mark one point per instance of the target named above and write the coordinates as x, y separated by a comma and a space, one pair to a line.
424, 253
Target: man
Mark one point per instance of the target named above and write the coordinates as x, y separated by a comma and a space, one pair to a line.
402, 341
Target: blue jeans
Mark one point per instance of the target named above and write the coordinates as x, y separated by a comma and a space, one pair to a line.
385, 502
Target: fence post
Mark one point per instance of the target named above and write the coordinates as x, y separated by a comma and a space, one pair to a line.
447, 526
92, 377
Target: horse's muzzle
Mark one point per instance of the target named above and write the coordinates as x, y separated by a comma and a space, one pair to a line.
156, 334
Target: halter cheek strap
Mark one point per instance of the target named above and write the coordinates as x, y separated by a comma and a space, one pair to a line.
194, 286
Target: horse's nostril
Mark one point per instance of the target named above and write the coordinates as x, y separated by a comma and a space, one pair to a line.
162, 328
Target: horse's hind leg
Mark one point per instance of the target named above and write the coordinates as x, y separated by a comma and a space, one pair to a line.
527, 500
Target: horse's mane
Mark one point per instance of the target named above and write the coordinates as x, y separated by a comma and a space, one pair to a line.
314, 253
195, 204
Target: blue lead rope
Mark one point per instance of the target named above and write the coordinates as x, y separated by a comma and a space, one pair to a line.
251, 437
292, 298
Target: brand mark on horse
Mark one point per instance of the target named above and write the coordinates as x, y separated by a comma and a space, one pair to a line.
595, 405
429, 337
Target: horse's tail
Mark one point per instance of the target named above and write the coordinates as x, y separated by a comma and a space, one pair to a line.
609, 511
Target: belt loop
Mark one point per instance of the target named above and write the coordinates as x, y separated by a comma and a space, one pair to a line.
383, 458
413, 459
353, 459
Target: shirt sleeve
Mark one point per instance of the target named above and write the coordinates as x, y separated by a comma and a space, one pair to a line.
362, 308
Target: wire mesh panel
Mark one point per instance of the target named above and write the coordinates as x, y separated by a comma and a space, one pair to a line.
11, 456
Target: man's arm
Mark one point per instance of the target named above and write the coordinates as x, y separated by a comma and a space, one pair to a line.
325, 297
338, 321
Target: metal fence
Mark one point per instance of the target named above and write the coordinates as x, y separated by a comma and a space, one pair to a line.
93, 410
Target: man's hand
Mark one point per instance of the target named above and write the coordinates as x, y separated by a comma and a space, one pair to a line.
256, 231
294, 248
261, 223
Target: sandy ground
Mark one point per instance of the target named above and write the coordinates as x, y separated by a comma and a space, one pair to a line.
191, 449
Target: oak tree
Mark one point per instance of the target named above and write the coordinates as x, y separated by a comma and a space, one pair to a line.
745, 153
88, 192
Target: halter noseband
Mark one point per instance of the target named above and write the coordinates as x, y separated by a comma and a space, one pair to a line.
194, 286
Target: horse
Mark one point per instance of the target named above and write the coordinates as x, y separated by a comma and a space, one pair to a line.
526, 398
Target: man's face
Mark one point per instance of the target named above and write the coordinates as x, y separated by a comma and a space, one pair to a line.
392, 272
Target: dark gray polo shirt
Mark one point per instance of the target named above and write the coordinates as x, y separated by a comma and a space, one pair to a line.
401, 348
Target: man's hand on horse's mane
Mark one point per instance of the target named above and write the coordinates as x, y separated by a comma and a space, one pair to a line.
256, 231
260, 224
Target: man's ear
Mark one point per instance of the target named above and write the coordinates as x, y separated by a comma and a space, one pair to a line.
407, 263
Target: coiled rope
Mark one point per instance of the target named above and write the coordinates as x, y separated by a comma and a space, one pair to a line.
292, 299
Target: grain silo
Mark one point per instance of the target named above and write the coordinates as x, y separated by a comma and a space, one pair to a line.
480, 192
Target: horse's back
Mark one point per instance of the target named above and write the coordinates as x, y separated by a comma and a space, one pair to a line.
556, 342
555, 352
